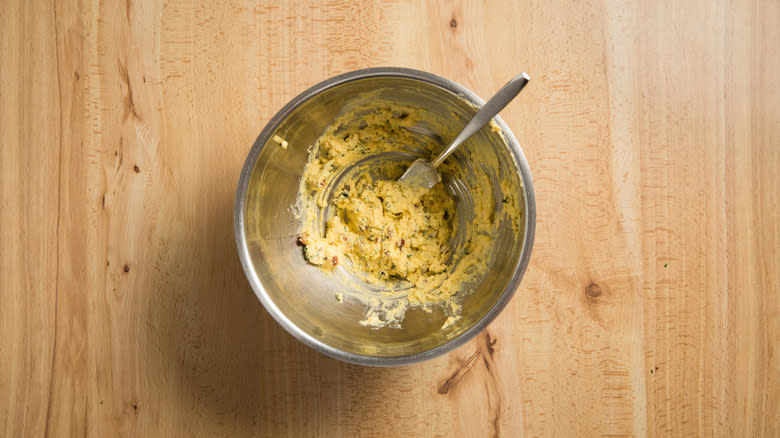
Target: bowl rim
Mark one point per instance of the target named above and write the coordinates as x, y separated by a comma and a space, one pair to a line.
257, 285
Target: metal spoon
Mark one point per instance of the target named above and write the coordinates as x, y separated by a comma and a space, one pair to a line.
423, 172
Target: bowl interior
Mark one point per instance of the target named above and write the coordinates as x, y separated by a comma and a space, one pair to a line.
305, 296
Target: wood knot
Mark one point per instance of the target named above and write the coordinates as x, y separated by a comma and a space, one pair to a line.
126, 268
453, 23
593, 290
136, 169
490, 343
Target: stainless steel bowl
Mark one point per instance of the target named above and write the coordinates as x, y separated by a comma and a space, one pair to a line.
299, 296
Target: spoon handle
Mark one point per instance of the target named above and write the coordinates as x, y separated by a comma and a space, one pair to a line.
486, 113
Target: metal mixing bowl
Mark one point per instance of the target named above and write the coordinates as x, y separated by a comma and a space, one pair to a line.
301, 297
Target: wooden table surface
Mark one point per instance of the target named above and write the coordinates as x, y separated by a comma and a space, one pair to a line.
651, 305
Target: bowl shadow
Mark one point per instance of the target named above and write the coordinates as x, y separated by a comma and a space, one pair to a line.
223, 357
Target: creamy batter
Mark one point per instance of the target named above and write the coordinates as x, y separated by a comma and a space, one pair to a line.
388, 230
393, 236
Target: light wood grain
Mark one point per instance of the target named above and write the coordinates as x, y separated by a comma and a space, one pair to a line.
651, 306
